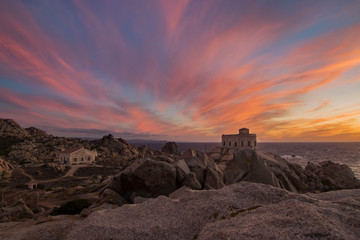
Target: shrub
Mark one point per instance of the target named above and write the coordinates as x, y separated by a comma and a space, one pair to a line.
72, 207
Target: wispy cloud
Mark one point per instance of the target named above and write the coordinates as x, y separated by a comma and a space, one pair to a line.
191, 69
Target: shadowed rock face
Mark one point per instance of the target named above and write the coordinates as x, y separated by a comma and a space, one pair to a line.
246, 210
171, 148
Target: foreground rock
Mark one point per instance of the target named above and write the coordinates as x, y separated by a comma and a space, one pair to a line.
244, 210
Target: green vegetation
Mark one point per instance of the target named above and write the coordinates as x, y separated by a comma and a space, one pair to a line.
72, 207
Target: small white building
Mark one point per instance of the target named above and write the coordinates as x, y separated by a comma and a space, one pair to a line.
242, 140
77, 155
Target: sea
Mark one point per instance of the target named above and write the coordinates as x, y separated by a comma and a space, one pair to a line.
300, 153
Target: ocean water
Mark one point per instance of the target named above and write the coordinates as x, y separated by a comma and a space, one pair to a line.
300, 153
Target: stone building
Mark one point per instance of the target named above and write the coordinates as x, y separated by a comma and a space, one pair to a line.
242, 140
77, 155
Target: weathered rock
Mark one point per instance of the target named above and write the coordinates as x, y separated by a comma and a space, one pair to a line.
213, 179
244, 210
111, 197
6, 169
197, 162
10, 128
171, 148
36, 133
146, 178
47, 228
182, 170
164, 158
247, 166
93, 208
191, 181
145, 151
115, 151
334, 176
16, 212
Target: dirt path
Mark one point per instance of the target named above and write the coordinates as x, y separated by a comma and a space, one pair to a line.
21, 170
70, 173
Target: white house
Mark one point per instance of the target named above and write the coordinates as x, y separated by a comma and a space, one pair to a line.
77, 155
242, 140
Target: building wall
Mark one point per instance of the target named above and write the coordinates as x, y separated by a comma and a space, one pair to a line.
77, 157
234, 141
82, 156
64, 158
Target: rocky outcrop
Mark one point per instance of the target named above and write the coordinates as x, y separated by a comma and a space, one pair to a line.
15, 212
244, 210
334, 176
115, 151
263, 167
206, 170
108, 199
248, 166
10, 128
5, 169
171, 148
145, 178
37, 133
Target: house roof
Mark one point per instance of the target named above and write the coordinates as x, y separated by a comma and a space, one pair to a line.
71, 150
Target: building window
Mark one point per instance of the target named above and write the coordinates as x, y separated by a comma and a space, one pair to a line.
224, 143
229, 143
242, 143
82, 158
75, 159
88, 158
235, 144
249, 143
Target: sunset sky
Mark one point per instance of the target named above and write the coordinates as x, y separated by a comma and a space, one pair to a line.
182, 70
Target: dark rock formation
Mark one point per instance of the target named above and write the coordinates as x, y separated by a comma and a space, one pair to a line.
171, 148
145, 178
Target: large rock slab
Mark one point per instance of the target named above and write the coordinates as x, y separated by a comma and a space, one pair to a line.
145, 178
244, 210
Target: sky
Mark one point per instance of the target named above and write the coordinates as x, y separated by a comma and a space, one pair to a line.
182, 70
